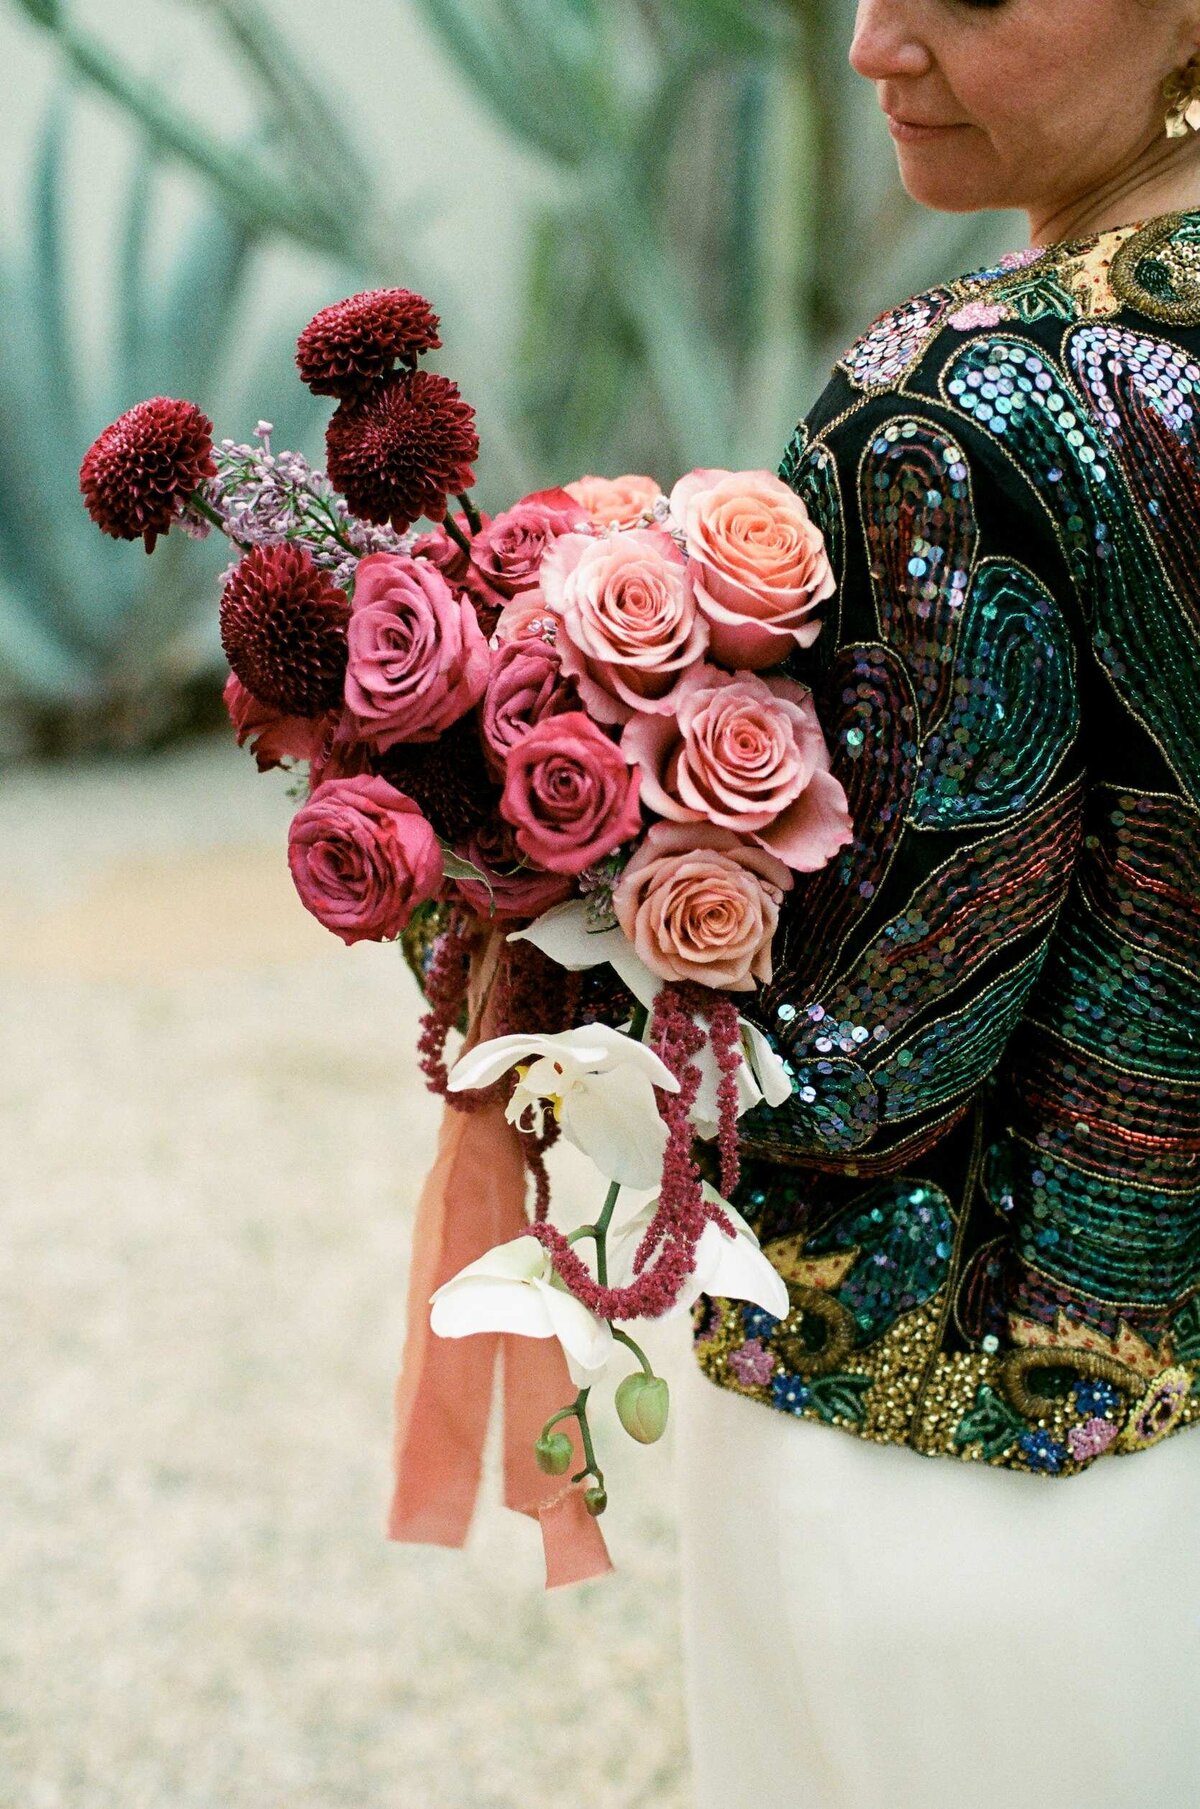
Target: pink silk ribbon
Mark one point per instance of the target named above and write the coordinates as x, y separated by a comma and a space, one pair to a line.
473, 1199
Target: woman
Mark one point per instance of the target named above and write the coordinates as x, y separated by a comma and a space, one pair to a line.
984, 1194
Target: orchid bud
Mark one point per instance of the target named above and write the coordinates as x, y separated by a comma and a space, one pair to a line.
595, 1500
643, 1403
554, 1452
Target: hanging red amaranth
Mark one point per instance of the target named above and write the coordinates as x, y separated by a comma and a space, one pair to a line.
348, 347
143, 468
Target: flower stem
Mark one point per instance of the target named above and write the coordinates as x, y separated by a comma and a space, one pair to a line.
639, 1353
471, 512
456, 534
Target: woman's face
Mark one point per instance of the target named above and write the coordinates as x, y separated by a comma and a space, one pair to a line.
1030, 104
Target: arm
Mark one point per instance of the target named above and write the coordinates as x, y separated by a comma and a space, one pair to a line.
946, 678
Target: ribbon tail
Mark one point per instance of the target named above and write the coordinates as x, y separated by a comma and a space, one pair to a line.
537, 1384
473, 1199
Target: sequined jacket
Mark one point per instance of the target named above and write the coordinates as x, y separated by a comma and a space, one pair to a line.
983, 1194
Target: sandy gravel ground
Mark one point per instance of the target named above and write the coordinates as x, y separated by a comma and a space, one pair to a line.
212, 1133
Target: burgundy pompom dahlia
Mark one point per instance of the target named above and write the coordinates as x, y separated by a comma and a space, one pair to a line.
348, 347
138, 475
399, 451
283, 628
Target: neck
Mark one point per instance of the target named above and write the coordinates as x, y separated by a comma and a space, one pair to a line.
1163, 179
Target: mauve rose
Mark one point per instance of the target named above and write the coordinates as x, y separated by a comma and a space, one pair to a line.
273, 737
615, 502
515, 889
526, 683
509, 551
363, 858
629, 624
417, 656
747, 754
701, 904
569, 793
756, 564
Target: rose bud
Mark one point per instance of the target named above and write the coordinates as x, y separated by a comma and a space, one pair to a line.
643, 1403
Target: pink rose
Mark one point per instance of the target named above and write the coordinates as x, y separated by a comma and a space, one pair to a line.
417, 657
615, 502
527, 683
514, 889
747, 754
630, 626
461, 572
526, 618
273, 737
509, 552
363, 858
699, 904
756, 564
569, 793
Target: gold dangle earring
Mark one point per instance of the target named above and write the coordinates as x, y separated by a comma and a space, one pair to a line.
1181, 91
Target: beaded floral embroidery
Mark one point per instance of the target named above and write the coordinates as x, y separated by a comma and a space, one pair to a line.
984, 1193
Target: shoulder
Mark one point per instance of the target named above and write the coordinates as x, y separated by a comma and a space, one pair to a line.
1152, 271
1038, 381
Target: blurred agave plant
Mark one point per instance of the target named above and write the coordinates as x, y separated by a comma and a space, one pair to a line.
98, 648
729, 218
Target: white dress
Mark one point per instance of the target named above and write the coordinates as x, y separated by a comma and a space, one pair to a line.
865, 1628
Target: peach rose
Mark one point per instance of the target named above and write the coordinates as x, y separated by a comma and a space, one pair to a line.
698, 903
629, 624
757, 564
615, 502
747, 754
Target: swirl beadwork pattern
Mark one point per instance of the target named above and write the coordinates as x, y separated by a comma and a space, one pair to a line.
984, 1192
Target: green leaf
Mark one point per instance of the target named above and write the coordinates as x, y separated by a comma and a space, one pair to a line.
991, 1424
840, 1397
456, 866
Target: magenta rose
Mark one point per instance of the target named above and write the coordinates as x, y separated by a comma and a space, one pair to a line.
363, 858
569, 793
418, 660
511, 888
630, 626
700, 904
273, 737
510, 550
757, 564
527, 683
747, 754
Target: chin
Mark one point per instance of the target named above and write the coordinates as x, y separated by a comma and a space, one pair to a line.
940, 179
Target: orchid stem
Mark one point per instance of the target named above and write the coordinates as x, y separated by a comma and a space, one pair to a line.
456, 534
474, 521
639, 1353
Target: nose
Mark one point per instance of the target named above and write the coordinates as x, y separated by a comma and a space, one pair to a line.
886, 43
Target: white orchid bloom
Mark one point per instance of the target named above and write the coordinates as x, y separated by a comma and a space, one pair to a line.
514, 1288
566, 935
732, 1267
599, 1085
761, 1075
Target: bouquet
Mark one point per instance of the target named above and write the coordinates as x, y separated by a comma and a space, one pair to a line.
554, 755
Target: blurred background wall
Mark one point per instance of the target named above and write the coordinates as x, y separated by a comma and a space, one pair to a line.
648, 225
